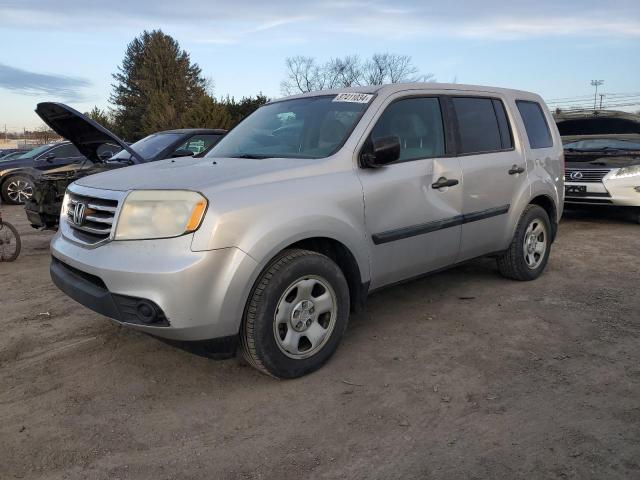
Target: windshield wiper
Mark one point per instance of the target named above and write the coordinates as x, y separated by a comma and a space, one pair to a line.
254, 156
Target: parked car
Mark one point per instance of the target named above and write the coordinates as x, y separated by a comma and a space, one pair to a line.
16, 184
602, 152
309, 204
91, 138
5, 152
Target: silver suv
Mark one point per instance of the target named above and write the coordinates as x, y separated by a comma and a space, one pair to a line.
308, 205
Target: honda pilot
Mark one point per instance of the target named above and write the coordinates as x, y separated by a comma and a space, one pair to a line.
307, 206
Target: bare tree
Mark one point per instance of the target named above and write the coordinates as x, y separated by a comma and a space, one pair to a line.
304, 74
344, 72
392, 68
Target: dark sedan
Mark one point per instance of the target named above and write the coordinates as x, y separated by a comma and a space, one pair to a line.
16, 186
43, 210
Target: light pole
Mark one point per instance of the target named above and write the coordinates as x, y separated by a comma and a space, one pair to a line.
596, 83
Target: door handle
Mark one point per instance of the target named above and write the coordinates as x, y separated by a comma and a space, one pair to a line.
443, 182
516, 169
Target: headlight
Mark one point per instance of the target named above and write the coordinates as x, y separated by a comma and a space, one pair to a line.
150, 214
65, 202
627, 172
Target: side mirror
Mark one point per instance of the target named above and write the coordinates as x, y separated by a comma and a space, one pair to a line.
384, 151
50, 156
182, 152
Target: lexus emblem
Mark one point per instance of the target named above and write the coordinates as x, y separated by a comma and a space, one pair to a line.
78, 214
575, 175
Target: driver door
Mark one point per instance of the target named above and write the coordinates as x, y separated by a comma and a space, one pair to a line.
413, 226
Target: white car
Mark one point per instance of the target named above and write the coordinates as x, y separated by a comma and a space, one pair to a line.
602, 154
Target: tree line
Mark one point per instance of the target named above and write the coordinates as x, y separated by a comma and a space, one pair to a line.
158, 87
306, 74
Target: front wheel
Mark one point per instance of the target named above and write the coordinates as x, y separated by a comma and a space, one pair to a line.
528, 254
10, 243
17, 189
296, 315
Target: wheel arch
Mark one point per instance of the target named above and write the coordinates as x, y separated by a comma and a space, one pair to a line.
346, 261
546, 202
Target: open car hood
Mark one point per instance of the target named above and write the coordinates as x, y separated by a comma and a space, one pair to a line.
86, 134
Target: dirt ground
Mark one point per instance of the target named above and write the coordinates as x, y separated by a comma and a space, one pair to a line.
461, 375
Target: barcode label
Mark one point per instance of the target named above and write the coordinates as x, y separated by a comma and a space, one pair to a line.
353, 97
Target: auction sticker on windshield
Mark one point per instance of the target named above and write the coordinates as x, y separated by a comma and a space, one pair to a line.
353, 97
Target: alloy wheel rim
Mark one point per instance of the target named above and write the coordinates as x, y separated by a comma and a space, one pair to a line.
305, 317
535, 243
19, 191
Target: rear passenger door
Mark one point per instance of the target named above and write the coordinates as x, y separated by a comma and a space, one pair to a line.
413, 225
493, 171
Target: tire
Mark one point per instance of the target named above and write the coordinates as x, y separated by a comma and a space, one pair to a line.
16, 189
9, 236
283, 336
524, 259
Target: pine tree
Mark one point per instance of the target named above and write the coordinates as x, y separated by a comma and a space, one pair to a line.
155, 87
103, 117
207, 113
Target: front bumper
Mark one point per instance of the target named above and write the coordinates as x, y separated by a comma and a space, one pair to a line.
611, 191
198, 295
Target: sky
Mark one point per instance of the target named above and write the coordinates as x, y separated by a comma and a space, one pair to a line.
66, 50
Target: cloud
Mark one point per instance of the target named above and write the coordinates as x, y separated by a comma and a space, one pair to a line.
256, 20
31, 83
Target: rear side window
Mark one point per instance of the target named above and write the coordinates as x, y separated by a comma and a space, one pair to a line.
417, 122
478, 125
535, 124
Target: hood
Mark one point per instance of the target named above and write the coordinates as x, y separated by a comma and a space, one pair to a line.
197, 173
86, 134
594, 160
580, 125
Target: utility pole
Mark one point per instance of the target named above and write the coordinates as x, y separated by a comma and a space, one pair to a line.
596, 83
601, 95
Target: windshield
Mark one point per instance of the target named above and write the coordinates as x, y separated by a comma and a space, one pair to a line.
596, 144
311, 127
149, 146
35, 152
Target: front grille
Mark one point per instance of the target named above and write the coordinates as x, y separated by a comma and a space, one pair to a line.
94, 220
588, 175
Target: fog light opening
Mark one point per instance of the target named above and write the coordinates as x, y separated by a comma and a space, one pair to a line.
637, 189
146, 313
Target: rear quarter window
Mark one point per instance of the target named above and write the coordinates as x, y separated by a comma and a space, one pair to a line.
535, 124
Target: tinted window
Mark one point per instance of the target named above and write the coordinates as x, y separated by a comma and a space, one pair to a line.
478, 125
66, 151
503, 123
417, 122
535, 124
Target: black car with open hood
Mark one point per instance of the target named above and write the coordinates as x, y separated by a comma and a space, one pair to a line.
89, 137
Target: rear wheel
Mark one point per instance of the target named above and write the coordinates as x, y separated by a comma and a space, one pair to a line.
17, 189
528, 254
296, 315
